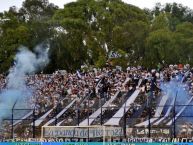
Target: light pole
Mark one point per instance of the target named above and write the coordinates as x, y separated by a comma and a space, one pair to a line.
12, 128
101, 117
77, 112
149, 98
149, 116
174, 115
34, 119
125, 119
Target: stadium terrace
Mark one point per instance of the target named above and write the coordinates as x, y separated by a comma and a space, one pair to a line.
106, 103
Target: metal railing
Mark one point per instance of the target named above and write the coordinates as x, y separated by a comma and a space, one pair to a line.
181, 125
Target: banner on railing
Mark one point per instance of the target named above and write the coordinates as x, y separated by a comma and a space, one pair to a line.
81, 132
98, 131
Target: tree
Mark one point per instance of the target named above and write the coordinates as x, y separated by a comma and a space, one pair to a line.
87, 31
130, 38
159, 47
97, 22
37, 10
184, 37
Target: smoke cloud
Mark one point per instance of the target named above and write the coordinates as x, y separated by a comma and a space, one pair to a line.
16, 91
177, 92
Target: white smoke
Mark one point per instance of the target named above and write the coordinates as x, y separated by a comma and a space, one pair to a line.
16, 91
177, 92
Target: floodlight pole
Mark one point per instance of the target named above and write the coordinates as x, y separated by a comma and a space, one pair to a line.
149, 116
149, 106
56, 112
12, 128
88, 114
174, 116
77, 113
34, 118
125, 120
101, 117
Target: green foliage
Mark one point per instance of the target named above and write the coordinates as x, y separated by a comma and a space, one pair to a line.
160, 46
86, 31
120, 61
101, 62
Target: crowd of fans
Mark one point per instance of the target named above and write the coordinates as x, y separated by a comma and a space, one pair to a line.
58, 89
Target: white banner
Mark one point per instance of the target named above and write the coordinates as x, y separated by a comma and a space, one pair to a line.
81, 132
97, 131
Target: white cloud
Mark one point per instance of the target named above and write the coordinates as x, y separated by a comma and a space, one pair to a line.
5, 4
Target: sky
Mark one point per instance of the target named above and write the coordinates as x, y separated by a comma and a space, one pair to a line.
5, 4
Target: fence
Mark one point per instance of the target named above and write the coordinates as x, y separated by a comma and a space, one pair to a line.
137, 121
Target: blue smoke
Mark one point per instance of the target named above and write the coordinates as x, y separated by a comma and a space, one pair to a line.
16, 91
